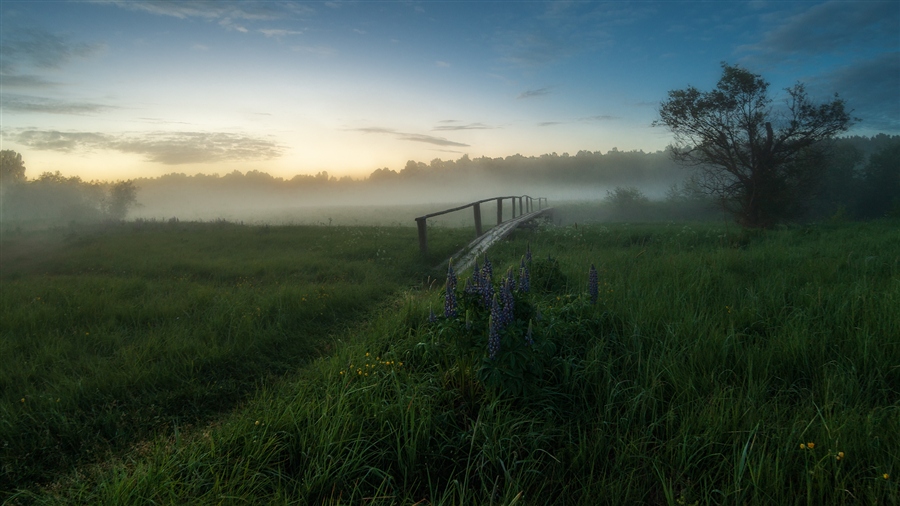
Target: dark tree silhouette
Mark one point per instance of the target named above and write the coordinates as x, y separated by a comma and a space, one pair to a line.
761, 163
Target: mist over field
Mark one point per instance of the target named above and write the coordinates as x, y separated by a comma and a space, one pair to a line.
385, 196
631, 186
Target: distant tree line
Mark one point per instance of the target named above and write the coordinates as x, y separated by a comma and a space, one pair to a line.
585, 167
54, 199
860, 179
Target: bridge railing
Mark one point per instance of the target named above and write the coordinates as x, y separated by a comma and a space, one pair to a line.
526, 205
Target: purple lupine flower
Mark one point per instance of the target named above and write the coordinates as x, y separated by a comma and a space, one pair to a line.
473, 285
506, 304
487, 269
524, 278
511, 280
487, 293
431, 316
592, 284
528, 252
493, 340
495, 326
450, 295
529, 335
451, 277
450, 304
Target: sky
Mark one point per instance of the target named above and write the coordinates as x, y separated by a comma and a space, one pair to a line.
118, 89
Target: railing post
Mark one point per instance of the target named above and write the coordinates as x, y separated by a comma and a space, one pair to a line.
499, 211
520, 207
423, 240
477, 207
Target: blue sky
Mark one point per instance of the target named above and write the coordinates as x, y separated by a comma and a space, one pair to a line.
115, 89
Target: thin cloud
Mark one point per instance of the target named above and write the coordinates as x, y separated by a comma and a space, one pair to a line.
601, 117
276, 32
40, 48
34, 48
169, 148
470, 126
428, 139
26, 103
27, 81
534, 93
870, 89
403, 136
440, 63
210, 9
52, 140
549, 123
830, 26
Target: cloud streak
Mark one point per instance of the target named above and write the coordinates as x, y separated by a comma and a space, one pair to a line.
168, 148
540, 92
404, 136
830, 26
470, 126
870, 89
40, 48
24, 103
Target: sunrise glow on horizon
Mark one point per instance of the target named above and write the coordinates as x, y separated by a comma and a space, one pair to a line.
116, 89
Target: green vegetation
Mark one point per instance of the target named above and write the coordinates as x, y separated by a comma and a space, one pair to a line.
109, 335
715, 367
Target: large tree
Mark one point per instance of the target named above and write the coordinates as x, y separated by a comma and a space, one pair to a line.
760, 162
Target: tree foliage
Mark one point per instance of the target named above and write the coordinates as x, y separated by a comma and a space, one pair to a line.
759, 162
12, 168
54, 199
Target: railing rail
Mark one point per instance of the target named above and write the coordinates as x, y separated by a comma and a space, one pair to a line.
526, 205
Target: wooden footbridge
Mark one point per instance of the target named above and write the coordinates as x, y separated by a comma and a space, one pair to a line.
526, 212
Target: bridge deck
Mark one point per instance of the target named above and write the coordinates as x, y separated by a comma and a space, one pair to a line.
466, 257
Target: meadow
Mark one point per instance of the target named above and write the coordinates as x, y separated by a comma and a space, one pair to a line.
211, 363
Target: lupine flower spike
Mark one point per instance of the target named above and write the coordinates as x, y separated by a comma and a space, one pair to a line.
592, 284
450, 295
494, 327
506, 301
474, 283
488, 269
524, 277
529, 335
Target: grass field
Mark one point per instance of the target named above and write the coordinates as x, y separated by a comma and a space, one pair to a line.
214, 363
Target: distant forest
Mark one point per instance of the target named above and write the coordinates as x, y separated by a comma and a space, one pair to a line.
862, 180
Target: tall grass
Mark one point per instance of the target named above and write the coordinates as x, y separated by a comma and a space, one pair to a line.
109, 335
715, 368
